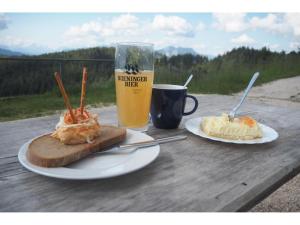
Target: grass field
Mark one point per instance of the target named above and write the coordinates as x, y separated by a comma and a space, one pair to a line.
21, 107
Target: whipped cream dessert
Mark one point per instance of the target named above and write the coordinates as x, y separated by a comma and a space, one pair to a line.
243, 128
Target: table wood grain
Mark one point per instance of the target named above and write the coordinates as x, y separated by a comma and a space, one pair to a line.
190, 175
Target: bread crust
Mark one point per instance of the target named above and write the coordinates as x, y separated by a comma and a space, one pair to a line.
47, 151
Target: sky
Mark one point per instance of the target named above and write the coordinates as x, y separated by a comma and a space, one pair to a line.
206, 33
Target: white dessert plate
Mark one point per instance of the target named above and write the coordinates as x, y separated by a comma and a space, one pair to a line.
98, 166
269, 134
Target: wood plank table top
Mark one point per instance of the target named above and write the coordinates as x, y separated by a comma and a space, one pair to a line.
191, 175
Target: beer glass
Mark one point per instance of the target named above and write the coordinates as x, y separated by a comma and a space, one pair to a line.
134, 73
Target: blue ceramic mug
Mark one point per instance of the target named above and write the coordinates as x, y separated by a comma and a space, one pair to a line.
167, 105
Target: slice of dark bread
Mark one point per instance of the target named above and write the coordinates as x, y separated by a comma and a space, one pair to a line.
47, 151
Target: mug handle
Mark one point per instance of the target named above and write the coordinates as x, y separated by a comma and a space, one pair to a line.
195, 106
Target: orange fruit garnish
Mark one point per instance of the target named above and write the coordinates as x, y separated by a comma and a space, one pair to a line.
248, 121
80, 118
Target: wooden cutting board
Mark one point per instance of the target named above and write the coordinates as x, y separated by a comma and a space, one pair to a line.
47, 151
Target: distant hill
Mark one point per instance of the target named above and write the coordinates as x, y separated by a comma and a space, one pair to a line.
83, 53
172, 51
39, 74
6, 52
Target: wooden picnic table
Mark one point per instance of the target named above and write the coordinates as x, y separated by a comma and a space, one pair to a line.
191, 175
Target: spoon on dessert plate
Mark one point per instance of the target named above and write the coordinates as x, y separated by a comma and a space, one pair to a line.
235, 109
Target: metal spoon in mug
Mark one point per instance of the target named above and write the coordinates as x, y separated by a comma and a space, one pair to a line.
234, 110
188, 80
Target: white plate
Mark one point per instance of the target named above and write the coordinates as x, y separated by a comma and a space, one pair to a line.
269, 134
97, 166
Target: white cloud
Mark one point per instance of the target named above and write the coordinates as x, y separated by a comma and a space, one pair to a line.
126, 21
230, 22
14, 41
85, 29
3, 21
271, 22
84, 35
276, 23
294, 45
293, 21
243, 39
288, 23
96, 32
161, 30
173, 25
200, 27
23, 45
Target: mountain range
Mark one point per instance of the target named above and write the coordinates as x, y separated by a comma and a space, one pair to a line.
6, 52
171, 51
168, 51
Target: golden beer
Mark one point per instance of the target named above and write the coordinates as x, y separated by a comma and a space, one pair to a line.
133, 92
134, 72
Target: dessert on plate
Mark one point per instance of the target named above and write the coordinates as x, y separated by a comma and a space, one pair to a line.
240, 128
